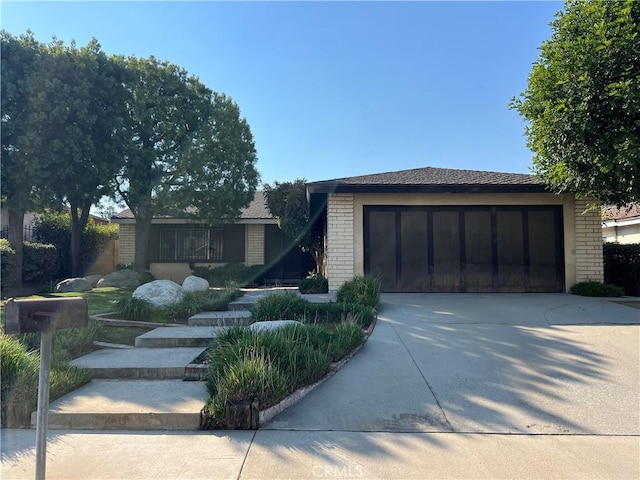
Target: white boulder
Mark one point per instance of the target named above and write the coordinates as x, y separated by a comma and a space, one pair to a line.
93, 279
160, 293
195, 284
73, 285
272, 325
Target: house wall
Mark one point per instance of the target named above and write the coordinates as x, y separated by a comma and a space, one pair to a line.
588, 242
254, 253
127, 244
345, 236
626, 232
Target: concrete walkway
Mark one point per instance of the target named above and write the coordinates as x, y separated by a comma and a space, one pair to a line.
448, 386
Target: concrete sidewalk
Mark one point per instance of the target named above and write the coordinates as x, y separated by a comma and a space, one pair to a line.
317, 455
448, 386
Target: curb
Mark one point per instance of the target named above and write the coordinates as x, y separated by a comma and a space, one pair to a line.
102, 318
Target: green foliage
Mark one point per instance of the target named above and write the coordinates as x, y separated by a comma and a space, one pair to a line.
231, 273
314, 283
364, 290
287, 202
244, 364
280, 306
146, 277
54, 227
133, 308
582, 100
622, 266
39, 262
596, 289
19, 370
7, 264
74, 342
290, 306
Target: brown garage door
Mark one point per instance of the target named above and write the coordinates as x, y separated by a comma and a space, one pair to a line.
465, 249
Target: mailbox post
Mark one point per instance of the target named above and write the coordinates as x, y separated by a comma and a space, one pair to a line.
44, 316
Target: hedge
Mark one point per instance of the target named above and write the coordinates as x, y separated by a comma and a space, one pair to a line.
39, 262
622, 266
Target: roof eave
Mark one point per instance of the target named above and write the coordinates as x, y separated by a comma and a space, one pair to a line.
329, 187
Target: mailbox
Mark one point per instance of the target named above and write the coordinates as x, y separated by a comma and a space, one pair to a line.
45, 314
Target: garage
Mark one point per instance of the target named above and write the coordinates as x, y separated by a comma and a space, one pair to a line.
465, 249
447, 230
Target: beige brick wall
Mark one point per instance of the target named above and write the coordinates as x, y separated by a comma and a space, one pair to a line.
588, 237
127, 243
255, 245
340, 241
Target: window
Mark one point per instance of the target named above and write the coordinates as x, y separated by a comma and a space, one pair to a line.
197, 244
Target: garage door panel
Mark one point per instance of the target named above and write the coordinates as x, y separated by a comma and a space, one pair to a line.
382, 248
543, 251
414, 262
478, 268
510, 248
446, 251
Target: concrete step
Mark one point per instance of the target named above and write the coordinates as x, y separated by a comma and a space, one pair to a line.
175, 337
142, 363
221, 319
130, 405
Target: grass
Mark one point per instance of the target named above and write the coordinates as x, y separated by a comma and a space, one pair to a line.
267, 366
121, 335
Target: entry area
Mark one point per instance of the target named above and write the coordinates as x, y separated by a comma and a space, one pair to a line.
474, 249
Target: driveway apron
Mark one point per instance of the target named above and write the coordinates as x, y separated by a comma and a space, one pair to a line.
473, 363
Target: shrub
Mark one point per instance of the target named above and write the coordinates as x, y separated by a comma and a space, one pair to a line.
314, 284
133, 308
622, 266
339, 312
39, 262
7, 265
55, 228
146, 277
231, 273
280, 306
596, 289
364, 290
74, 342
344, 338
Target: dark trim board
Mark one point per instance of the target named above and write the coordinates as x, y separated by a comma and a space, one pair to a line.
465, 248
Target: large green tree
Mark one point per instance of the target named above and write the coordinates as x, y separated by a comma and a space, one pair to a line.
582, 102
75, 131
20, 58
287, 201
188, 150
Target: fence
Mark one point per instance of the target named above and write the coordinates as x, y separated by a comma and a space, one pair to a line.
27, 233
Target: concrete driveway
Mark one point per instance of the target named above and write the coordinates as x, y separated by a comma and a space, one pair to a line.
495, 363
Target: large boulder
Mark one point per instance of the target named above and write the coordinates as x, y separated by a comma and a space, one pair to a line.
160, 293
73, 285
125, 278
93, 279
195, 284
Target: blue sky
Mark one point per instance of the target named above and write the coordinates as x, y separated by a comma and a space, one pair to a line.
334, 89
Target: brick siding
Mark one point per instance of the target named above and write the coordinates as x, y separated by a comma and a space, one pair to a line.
588, 242
340, 248
255, 245
127, 243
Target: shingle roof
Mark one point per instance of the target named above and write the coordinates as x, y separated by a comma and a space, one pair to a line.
431, 179
624, 213
257, 210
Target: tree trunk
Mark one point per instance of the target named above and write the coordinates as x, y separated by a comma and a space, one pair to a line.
143, 227
16, 237
77, 227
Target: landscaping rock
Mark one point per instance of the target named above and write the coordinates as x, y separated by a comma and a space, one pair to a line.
122, 278
160, 293
93, 279
195, 284
73, 285
272, 325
